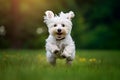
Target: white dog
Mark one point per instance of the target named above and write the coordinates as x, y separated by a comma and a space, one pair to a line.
59, 44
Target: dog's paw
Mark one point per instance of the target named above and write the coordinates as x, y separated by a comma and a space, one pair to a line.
56, 51
69, 58
63, 56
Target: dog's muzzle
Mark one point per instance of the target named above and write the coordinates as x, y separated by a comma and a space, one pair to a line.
60, 35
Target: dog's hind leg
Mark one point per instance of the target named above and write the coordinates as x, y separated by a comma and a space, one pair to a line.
68, 62
51, 59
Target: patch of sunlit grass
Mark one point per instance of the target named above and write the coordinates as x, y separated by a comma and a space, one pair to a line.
82, 59
32, 65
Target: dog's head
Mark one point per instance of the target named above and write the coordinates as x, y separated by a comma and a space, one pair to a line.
59, 25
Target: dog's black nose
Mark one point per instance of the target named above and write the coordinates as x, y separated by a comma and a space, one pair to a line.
59, 30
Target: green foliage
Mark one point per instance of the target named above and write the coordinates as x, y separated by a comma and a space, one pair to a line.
4, 43
96, 24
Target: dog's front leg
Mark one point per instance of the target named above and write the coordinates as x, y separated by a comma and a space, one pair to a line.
52, 48
69, 53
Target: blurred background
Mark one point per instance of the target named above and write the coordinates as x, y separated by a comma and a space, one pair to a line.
96, 24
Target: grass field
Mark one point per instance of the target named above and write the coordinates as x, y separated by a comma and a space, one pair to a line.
32, 65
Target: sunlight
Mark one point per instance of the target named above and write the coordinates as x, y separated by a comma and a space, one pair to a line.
2, 30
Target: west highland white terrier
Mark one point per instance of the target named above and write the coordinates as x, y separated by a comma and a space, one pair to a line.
59, 43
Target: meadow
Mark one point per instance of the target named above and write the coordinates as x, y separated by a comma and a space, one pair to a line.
32, 65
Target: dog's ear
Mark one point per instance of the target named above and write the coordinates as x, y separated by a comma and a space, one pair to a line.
70, 15
49, 14
61, 14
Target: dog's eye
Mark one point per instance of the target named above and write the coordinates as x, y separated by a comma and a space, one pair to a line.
63, 25
55, 25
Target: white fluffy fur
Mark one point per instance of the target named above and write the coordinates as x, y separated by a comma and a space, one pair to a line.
59, 43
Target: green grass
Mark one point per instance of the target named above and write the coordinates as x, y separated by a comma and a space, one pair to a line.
32, 65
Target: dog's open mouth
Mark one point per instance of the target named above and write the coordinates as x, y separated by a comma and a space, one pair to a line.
59, 33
